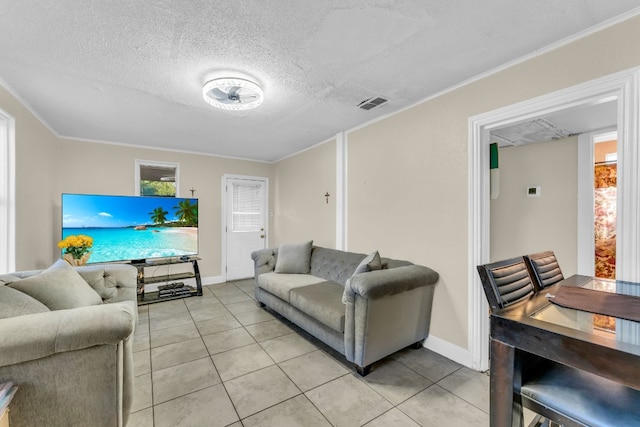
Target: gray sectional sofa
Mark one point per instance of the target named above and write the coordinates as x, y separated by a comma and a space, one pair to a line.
66, 337
365, 307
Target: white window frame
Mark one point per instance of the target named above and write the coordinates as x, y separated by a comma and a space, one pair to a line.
7, 194
139, 163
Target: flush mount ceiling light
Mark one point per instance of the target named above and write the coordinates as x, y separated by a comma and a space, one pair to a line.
232, 94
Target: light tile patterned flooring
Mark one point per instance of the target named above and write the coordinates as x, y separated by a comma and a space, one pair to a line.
219, 360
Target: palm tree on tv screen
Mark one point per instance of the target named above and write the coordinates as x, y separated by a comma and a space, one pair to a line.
187, 213
159, 215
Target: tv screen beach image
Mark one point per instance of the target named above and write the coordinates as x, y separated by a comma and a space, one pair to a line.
131, 227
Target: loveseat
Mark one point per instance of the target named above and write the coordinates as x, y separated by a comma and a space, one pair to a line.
66, 337
364, 307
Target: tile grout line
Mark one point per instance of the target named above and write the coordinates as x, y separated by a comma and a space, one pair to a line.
230, 289
277, 364
454, 393
215, 367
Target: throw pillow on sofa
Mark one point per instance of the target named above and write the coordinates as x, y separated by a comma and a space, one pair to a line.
294, 258
59, 287
370, 263
15, 303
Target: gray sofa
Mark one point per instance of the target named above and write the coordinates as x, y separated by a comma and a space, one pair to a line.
66, 337
365, 316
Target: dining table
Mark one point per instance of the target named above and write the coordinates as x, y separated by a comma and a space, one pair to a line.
606, 345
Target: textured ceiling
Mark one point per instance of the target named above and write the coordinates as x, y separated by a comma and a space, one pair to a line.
131, 72
598, 116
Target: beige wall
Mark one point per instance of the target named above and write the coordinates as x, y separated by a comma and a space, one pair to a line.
407, 198
114, 173
47, 166
301, 211
522, 225
407, 174
35, 161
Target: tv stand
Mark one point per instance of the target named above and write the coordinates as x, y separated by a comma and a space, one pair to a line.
175, 287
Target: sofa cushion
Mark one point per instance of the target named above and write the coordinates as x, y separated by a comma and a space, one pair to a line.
281, 284
59, 287
294, 258
15, 303
370, 263
5, 279
322, 301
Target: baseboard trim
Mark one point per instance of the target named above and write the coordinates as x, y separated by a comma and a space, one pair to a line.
451, 351
212, 280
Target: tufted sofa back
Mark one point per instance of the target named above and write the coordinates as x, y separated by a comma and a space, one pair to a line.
334, 265
330, 264
113, 282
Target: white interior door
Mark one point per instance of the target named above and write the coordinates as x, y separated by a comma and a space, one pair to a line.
246, 231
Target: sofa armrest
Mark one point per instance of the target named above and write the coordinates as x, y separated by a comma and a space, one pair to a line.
264, 260
387, 310
36, 336
380, 283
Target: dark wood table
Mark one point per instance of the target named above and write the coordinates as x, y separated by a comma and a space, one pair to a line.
571, 337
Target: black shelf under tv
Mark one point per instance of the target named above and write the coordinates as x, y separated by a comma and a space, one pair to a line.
175, 288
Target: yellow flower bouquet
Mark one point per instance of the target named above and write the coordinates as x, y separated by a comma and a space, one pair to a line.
76, 248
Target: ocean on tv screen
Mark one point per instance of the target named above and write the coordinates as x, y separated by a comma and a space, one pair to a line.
119, 244
132, 227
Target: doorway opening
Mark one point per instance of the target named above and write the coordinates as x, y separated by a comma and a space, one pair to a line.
605, 195
621, 87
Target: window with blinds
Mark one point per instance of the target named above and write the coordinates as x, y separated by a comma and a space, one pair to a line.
246, 212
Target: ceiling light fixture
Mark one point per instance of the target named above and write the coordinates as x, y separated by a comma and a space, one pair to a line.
232, 94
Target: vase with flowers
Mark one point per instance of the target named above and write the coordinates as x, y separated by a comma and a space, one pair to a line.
75, 249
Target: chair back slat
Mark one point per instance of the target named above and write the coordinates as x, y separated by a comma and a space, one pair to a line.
506, 282
544, 268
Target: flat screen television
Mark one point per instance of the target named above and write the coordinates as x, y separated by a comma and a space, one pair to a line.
132, 228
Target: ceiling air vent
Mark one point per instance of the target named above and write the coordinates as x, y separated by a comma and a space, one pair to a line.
371, 103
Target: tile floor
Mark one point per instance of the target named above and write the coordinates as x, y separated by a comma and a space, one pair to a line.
219, 360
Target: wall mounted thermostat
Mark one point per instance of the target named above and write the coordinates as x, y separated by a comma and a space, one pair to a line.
534, 191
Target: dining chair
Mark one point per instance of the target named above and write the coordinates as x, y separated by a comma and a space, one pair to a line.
558, 394
544, 268
506, 282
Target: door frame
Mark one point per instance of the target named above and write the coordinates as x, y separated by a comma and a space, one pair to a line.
224, 216
7, 192
624, 85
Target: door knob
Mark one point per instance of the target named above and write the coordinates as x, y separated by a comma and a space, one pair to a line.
262, 236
